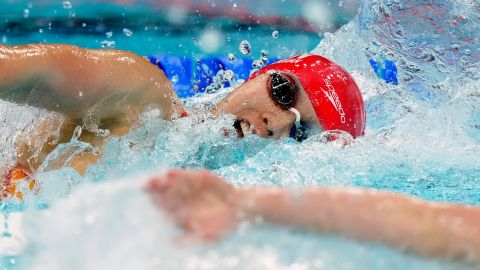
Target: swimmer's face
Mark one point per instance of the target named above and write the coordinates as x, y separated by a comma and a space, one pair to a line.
252, 104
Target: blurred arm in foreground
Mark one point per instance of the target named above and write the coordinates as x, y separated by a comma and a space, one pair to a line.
207, 207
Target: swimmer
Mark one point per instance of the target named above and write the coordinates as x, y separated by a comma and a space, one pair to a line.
102, 90
207, 207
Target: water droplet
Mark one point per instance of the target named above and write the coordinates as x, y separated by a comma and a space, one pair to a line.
231, 57
67, 5
175, 79
257, 64
102, 132
80, 94
4, 39
26, 13
211, 40
84, 24
228, 75
109, 34
205, 68
340, 3
234, 5
77, 133
127, 32
275, 34
40, 31
245, 47
264, 52
108, 43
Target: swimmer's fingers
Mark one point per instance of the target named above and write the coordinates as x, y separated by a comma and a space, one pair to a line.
198, 201
206, 221
172, 190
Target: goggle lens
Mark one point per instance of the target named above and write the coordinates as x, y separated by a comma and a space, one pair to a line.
282, 91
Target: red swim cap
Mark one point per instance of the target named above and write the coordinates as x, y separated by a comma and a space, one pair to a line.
332, 91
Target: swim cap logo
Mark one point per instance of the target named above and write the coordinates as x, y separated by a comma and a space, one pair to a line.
333, 97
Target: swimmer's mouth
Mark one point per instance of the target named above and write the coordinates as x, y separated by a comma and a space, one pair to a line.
243, 128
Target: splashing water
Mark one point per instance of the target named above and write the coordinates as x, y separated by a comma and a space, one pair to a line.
275, 34
245, 47
422, 138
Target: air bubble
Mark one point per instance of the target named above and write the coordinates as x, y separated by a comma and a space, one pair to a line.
245, 47
275, 34
231, 57
175, 79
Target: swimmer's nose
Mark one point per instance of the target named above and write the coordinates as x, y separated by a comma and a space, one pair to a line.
277, 125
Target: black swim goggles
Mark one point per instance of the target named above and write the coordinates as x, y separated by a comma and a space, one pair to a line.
283, 90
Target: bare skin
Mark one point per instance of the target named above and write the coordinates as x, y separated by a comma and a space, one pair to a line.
252, 103
206, 207
111, 88
105, 87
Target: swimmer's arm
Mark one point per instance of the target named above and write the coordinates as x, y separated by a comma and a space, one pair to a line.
427, 228
207, 207
15, 69
84, 77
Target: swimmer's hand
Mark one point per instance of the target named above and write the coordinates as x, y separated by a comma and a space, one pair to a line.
199, 201
207, 207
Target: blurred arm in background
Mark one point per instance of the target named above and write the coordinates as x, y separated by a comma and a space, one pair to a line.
207, 207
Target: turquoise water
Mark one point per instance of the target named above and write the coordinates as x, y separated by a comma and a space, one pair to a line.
422, 139
150, 29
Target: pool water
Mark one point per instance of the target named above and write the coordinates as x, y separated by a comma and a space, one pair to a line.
422, 139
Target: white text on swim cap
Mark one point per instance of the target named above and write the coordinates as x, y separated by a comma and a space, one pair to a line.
333, 97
